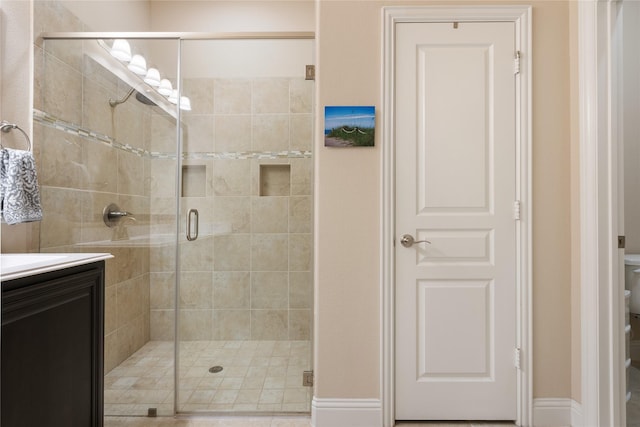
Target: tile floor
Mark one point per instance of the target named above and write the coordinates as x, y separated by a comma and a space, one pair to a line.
262, 422
256, 376
207, 422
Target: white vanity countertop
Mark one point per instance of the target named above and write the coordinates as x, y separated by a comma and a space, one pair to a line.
15, 266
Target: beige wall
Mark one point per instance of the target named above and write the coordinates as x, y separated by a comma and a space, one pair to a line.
15, 101
111, 15
347, 195
232, 15
15, 62
348, 208
347, 204
551, 216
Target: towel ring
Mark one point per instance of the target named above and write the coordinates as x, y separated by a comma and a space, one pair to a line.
7, 127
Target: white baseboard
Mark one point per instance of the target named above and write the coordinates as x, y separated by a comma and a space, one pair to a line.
556, 412
346, 412
547, 412
576, 414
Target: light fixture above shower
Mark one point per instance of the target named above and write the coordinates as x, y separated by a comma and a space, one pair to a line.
121, 50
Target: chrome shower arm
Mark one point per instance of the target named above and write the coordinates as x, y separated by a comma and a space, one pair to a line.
114, 102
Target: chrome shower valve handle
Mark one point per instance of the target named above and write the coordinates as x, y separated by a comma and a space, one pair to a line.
112, 214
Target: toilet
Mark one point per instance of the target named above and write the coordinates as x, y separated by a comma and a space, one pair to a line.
632, 284
632, 281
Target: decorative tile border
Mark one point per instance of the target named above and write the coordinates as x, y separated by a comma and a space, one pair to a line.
248, 155
61, 125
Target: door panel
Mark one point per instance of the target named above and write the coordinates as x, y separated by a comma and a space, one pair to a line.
455, 187
460, 309
451, 84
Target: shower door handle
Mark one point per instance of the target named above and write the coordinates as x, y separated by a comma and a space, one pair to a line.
192, 212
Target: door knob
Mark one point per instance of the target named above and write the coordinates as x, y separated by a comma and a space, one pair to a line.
407, 241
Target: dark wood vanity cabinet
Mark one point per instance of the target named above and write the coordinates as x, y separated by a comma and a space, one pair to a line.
52, 349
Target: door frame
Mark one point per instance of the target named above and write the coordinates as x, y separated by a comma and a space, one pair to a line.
521, 16
602, 347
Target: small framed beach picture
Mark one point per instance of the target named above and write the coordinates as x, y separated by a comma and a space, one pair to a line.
349, 126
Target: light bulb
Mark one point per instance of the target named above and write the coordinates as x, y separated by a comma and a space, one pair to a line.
121, 50
173, 98
185, 103
138, 65
165, 88
153, 77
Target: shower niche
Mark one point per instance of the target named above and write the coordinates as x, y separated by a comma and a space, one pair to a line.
275, 180
194, 181
239, 297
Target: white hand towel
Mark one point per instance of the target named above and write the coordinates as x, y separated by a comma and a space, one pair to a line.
20, 196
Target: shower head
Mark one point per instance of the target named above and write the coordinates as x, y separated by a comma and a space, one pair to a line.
140, 97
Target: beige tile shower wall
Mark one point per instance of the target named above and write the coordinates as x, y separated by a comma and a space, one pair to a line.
80, 176
248, 276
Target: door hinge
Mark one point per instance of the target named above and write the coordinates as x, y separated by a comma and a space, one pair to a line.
621, 242
516, 63
516, 210
307, 379
516, 358
310, 72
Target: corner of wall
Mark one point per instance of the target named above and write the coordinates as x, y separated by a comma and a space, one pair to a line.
556, 412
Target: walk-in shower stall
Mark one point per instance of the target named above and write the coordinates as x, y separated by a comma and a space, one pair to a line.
197, 177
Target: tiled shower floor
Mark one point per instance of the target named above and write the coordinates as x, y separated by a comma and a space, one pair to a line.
256, 376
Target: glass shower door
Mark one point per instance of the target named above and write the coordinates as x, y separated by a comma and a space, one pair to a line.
245, 283
106, 141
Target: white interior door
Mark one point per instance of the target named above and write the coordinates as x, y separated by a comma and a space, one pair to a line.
455, 187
